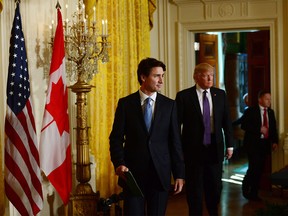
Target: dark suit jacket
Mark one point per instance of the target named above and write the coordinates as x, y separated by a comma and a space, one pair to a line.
190, 117
133, 146
251, 124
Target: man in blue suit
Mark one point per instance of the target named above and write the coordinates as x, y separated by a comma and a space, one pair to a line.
203, 142
152, 152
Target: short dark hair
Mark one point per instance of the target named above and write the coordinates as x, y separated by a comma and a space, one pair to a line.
263, 92
145, 66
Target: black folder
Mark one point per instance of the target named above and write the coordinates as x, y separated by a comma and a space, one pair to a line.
132, 184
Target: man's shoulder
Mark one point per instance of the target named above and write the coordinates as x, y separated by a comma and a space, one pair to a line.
186, 91
130, 97
214, 89
252, 109
163, 97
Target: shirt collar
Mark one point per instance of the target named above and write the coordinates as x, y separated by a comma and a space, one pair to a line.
200, 90
262, 108
143, 96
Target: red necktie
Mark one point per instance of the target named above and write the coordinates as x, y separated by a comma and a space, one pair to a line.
265, 122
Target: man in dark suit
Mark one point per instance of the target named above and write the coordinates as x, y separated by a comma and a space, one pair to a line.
152, 152
260, 136
204, 145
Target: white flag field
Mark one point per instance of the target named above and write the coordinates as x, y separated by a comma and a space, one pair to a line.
55, 147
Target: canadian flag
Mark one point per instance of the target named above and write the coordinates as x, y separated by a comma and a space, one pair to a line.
55, 147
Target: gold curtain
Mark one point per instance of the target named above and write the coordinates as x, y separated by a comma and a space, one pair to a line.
128, 27
1, 5
152, 8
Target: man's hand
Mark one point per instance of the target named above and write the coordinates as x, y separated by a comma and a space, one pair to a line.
274, 146
229, 153
120, 171
178, 186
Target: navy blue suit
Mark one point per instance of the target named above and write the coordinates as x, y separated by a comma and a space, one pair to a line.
149, 155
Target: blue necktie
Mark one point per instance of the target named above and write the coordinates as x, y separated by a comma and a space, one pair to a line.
206, 120
148, 113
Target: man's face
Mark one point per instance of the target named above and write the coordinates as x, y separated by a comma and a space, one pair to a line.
265, 100
153, 83
205, 79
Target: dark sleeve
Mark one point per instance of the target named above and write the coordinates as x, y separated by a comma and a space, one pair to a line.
251, 123
117, 136
179, 103
227, 124
237, 121
178, 168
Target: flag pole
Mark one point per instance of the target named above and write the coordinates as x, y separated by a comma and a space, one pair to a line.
58, 6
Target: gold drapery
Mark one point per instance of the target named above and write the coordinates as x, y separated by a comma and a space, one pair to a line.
152, 8
128, 26
1, 5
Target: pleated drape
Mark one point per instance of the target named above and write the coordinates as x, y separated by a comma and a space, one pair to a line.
1, 5
129, 34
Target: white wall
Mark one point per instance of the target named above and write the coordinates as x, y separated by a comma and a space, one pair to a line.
36, 17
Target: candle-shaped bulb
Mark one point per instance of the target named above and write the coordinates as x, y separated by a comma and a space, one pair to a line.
103, 27
106, 27
85, 26
83, 11
66, 26
52, 26
94, 14
66, 6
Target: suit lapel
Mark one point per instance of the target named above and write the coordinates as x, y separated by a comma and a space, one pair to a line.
157, 110
195, 101
215, 102
258, 114
138, 109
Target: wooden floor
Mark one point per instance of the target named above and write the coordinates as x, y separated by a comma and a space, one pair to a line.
232, 201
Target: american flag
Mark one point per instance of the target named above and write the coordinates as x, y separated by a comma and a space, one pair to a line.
22, 173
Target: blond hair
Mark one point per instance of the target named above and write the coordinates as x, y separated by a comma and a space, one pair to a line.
202, 67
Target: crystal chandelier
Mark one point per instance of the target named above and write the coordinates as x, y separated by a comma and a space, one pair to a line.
84, 45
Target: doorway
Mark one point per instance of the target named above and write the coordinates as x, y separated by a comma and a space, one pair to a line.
242, 66
241, 61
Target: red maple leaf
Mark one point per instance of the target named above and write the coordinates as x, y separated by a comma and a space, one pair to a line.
58, 106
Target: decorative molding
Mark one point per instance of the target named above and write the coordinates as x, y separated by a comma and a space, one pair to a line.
208, 11
244, 9
179, 2
226, 10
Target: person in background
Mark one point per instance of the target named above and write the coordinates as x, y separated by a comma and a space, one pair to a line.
239, 120
260, 137
203, 113
149, 150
